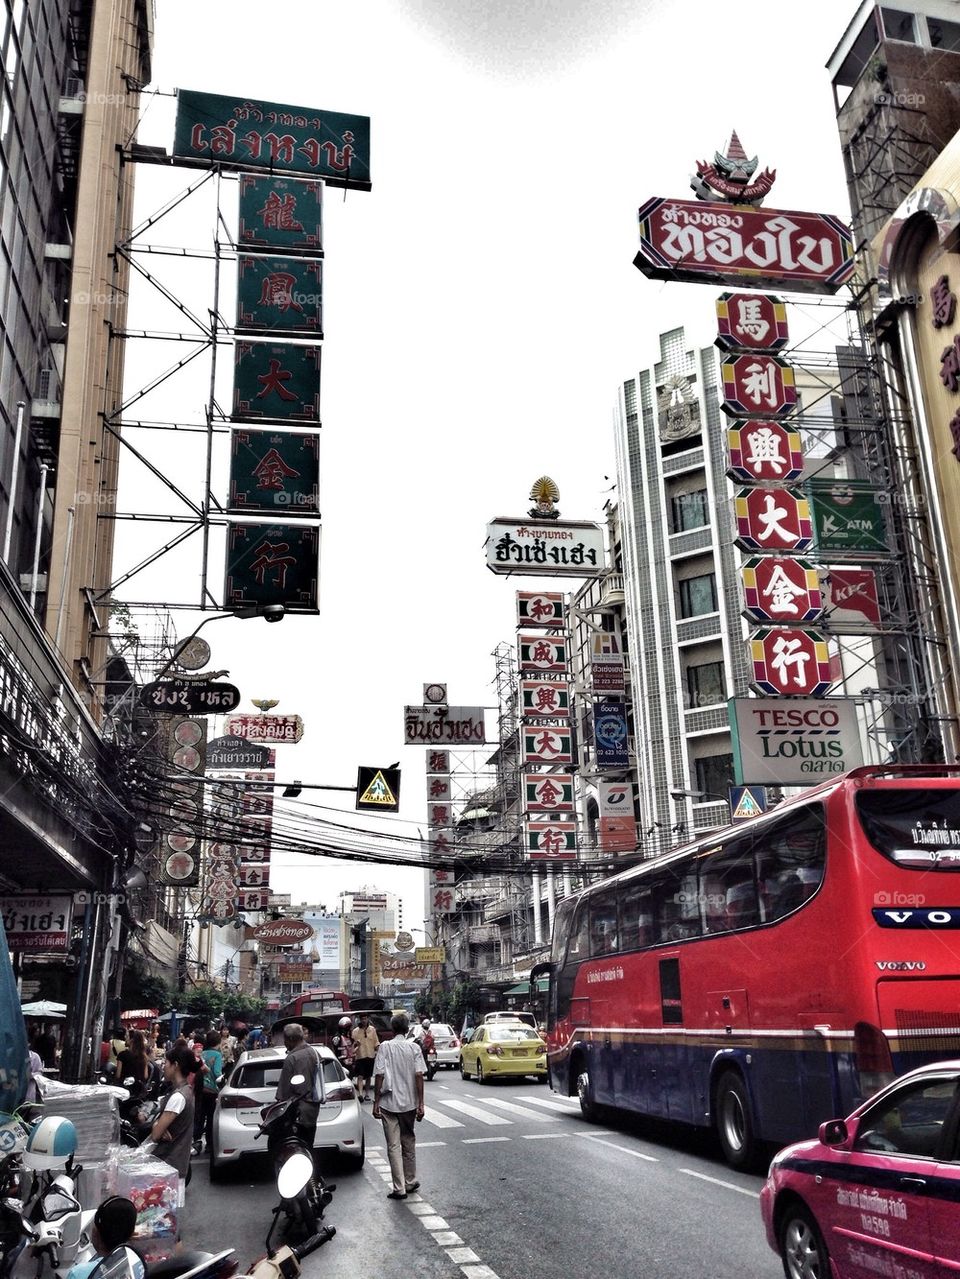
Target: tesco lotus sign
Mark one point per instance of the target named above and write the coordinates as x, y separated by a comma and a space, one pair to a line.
283, 932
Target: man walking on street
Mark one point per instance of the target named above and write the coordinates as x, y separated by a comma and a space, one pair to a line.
398, 1102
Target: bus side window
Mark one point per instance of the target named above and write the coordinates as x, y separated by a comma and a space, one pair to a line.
790, 861
579, 947
728, 889
636, 917
603, 924
677, 912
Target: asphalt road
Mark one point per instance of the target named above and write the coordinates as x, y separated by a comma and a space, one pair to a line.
514, 1184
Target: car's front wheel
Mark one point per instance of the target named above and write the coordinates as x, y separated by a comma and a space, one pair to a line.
802, 1247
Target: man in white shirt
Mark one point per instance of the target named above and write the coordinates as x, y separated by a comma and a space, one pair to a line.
398, 1103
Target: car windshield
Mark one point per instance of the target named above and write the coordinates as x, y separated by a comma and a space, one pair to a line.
512, 1034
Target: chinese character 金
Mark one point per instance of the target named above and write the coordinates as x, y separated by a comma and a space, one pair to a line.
944, 303
272, 470
950, 365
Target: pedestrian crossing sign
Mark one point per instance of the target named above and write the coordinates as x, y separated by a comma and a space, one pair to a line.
378, 789
747, 802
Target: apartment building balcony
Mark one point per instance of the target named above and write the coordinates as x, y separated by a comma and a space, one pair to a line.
504, 906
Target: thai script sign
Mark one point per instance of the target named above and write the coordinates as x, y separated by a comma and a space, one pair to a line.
449, 725
610, 734
235, 752
37, 923
196, 697
280, 213
545, 549
265, 728
294, 972
269, 135
430, 954
713, 243
283, 932
795, 742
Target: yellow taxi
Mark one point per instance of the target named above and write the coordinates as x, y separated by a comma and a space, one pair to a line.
503, 1048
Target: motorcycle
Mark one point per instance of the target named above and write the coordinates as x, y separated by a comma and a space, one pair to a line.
47, 1231
429, 1048
284, 1262
302, 1200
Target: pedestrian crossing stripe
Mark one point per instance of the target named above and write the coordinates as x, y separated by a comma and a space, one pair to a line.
378, 793
748, 805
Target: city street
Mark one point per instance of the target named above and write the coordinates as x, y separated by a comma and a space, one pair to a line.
513, 1183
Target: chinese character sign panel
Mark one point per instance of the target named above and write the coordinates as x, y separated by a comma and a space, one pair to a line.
548, 792
779, 589
542, 654
543, 608
276, 381
787, 662
543, 699
773, 520
751, 321
547, 745
271, 135
551, 841
282, 295
272, 564
764, 452
714, 243
280, 213
757, 384
276, 471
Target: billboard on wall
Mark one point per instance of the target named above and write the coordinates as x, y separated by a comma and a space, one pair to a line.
793, 742
324, 946
253, 134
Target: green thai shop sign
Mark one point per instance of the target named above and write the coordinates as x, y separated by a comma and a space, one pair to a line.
248, 133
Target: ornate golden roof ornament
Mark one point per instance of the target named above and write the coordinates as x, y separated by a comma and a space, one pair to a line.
546, 495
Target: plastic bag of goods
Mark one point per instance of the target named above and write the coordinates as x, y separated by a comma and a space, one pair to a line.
93, 1111
154, 1188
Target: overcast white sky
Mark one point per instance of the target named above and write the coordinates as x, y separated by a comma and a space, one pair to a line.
481, 307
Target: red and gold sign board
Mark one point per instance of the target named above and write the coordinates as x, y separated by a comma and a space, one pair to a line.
551, 841
548, 792
545, 699
547, 745
790, 663
773, 520
708, 242
764, 452
543, 654
751, 322
757, 385
540, 608
781, 589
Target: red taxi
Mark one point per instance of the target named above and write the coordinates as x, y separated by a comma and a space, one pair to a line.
877, 1193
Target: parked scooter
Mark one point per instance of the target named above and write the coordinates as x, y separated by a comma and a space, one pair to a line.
51, 1225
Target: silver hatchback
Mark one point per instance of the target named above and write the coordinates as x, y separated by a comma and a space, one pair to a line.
253, 1085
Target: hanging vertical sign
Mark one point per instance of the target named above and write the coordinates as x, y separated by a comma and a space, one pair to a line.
764, 452
276, 471
610, 734
781, 589
618, 826
757, 385
852, 597
543, 653
540, 608
751, 321
790, 663
551, 841
607, 663
280, 213
548, 792
272, 564
276, 380
551, 745
544, 699
282, 295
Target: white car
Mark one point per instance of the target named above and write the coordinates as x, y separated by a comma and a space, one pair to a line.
447, 1045
253, 1085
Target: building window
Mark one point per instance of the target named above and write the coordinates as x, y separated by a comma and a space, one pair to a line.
714, 775
688, 510
698, 595
898, 25
705, 685
944, 35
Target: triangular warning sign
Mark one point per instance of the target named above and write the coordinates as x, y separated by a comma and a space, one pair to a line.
747, 806
378, 792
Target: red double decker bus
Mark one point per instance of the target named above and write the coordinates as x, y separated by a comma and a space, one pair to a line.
772, 974
315, 1002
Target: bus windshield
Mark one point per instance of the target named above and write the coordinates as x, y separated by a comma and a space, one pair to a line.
912, 827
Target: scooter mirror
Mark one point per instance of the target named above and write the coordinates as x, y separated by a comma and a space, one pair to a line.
294, 1175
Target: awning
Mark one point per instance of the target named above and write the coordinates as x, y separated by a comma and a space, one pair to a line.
523, 987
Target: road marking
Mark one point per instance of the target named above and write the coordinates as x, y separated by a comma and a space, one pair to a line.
514, 1109
433, 1223
448, 1239
479, 1272
421, 1209
460, 1255
480, 1141
439, 1119
552, 1105
427, 1145
474, 1112
541, 1136
727, 1185
627, 1150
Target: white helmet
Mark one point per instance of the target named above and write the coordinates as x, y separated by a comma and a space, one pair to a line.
344, 1021
51, 1143
426, 1022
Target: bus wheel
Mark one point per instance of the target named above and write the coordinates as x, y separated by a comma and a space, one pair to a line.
802, 1248
588, 1106
735, 1122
